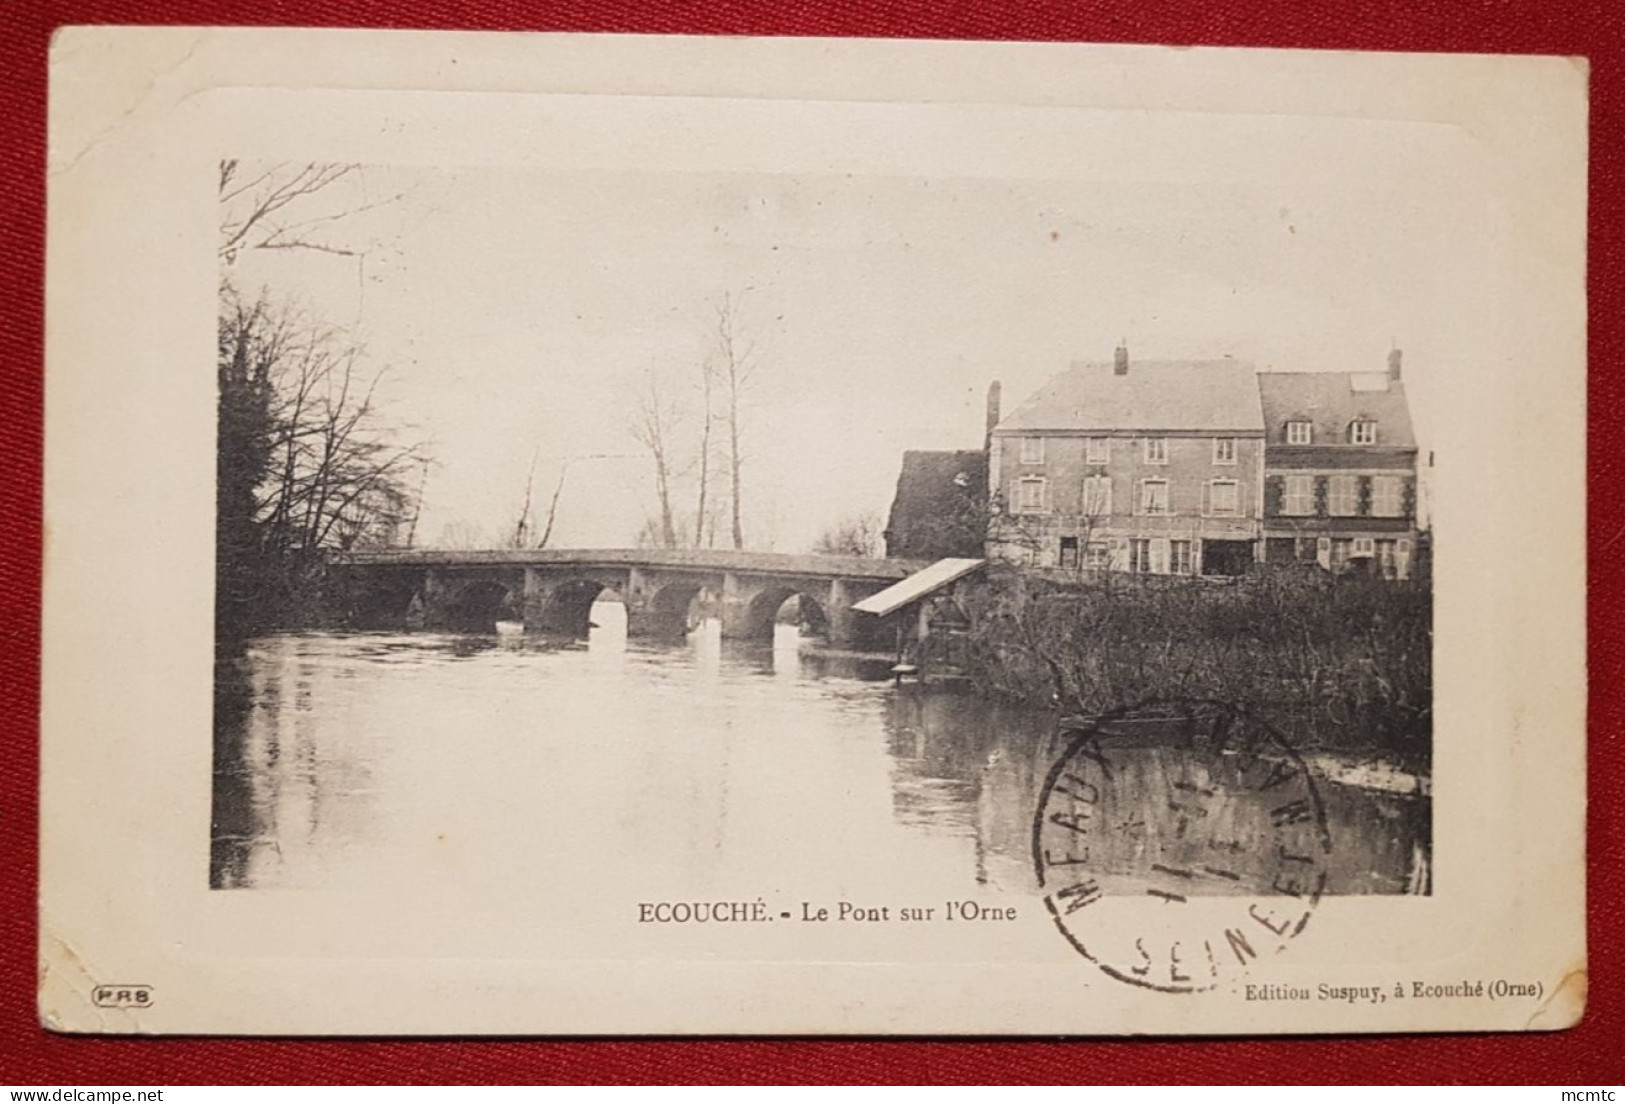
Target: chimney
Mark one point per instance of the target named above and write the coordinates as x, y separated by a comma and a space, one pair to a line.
993, 390
1394, 356
1120, 361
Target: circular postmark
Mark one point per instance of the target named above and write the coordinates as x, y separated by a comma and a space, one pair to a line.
1177, 844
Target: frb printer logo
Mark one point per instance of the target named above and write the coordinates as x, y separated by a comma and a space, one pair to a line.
122, 996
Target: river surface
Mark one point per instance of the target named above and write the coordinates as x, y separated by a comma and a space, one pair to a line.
369, 760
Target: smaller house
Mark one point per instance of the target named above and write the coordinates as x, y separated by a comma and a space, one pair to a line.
1340, 470
940, 508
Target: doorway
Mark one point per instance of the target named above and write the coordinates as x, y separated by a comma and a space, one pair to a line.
1226, 557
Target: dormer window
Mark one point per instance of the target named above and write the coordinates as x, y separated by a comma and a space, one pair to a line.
1300, 433
1362, 433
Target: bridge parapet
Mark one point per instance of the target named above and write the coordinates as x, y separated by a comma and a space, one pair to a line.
712, 559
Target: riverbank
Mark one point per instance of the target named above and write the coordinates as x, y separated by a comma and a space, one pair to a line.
1343, 664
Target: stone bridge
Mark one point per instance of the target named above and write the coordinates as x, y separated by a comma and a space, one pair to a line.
553, 590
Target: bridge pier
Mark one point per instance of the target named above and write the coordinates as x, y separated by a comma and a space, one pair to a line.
432, 609
735, 608
653, 610
842, 621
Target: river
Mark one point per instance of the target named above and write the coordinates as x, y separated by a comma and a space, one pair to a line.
345, 759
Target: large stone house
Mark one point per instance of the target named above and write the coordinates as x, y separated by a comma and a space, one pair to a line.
1145, 466
1186, 467
1340, 476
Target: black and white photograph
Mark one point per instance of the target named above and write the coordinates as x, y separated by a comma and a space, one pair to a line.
981, 539
542, 486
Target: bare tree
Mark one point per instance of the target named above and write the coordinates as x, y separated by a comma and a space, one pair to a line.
853, 535
462, 534
340, 476
306, 462
269, 208
521, 529
553, 506
736, 365
655, 416
417, 506
708, 378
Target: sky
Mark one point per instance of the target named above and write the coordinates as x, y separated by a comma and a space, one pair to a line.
517, 311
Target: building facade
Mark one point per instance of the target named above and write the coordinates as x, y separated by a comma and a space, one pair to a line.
1340, 470
1154, 467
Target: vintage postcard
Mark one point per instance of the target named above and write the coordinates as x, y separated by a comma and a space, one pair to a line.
597, 535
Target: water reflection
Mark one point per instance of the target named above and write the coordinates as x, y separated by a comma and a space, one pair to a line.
695, 765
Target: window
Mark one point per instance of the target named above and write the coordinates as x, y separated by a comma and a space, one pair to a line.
1153, 496
1362, 433
1179, 557
1342, 547
1159, 556
1030, 497
1388, 558
1069, 553
1342, 496
1387, 496
1298, 496
1032, 450
1097, 450
1300, 433
1363, 546
1097, 496
1139, 556
1224, 450
1156, 450
1097, 554
1224, 498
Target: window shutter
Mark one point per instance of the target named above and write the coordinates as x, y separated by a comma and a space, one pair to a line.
1119, 554
1323, 552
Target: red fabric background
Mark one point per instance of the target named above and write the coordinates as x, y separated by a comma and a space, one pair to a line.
1579, 1057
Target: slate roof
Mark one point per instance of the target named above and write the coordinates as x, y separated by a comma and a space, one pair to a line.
1331, 400
1171, 396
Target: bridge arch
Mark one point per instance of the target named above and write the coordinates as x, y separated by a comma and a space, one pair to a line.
477, 605
762, 612
670, 609
384, 600
567, 607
